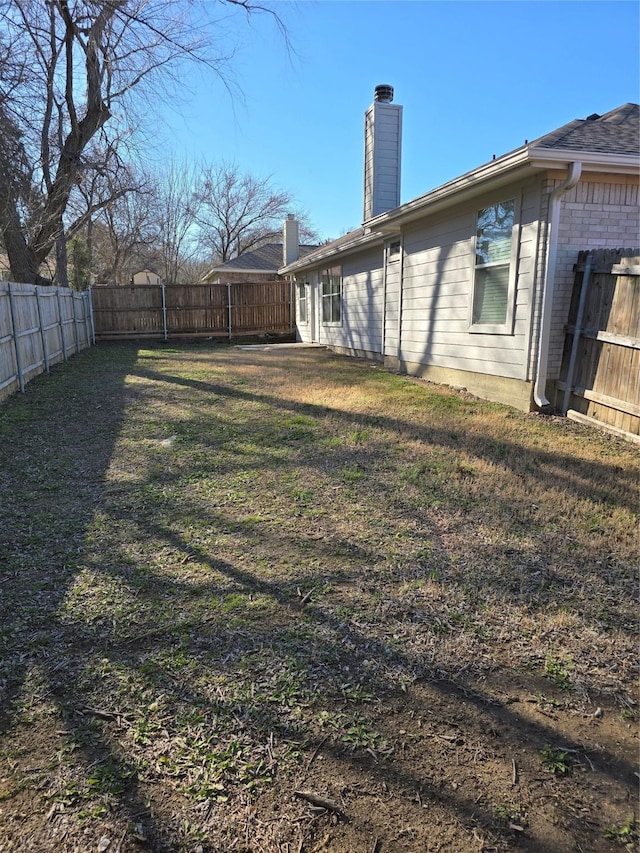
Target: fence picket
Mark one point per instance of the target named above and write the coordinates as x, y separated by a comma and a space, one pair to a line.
189, 310
30, 329
604, 346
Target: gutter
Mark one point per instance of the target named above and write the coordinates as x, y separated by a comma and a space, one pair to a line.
598, 161
508, 167
539, 390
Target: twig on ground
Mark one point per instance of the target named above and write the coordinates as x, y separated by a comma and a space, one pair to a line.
317, 800
119, 844
315, 753
306, 597
102, 715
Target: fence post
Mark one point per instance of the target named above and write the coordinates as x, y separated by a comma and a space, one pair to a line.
164, 311
230, 308
43, 334
93, 325
85, 317
577, 329
61, 324
15, 339
75, 321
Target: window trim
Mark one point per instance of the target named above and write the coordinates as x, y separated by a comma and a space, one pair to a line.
505, 328
394, 251
331, 273
302, 287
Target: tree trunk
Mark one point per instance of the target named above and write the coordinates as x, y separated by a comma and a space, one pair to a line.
62, 274
23, 262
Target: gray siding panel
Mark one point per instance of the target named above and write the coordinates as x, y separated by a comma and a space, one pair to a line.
437, 293
362, 305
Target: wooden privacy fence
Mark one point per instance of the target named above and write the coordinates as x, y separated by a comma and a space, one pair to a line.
600, 377
192, 310
39, 326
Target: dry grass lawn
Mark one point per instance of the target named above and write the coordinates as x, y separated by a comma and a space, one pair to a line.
285, 602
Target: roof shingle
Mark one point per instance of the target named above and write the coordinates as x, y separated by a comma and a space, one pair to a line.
267, 258
615, 132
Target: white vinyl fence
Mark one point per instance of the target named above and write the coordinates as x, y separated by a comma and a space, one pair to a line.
39, 326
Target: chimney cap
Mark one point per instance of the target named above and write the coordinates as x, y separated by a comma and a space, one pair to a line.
383, 93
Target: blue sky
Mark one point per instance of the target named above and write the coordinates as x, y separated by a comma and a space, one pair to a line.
475, 79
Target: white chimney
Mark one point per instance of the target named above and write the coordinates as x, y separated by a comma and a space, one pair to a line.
290, 240
382, 149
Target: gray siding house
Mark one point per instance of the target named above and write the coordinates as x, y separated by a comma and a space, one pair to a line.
469, 285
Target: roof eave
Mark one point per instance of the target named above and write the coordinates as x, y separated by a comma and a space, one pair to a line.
519, 163
592, 161
484, 175
243, 270
363, 240
388, 224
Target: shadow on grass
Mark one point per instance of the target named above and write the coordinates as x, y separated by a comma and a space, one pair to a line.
566, 473
56, 443
209, 664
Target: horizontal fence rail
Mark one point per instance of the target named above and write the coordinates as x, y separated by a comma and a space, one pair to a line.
39, 326
193, 310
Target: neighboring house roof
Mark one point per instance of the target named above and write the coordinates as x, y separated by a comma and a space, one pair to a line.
610, 142
265, 259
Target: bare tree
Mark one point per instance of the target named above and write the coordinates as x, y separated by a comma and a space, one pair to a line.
68, 68
138, 220
104, 179
239, 212
193, 269
125, 231
177, 209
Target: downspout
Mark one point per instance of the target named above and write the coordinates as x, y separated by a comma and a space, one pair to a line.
383, 336
400, 294
539, 390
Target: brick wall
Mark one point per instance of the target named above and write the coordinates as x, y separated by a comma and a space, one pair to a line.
600, 212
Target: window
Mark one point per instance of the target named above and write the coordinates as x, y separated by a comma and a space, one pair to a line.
332, 295
394, 250
493, 275
303, 315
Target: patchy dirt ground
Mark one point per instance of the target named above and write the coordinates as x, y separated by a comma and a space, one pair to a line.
288, 602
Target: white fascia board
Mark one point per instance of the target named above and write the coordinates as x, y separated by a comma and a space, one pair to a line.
490, 176
389, 224
592, 161
481, 177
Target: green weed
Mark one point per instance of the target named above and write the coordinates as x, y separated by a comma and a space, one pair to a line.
627, 834
352, 475
556, 761
559, 670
